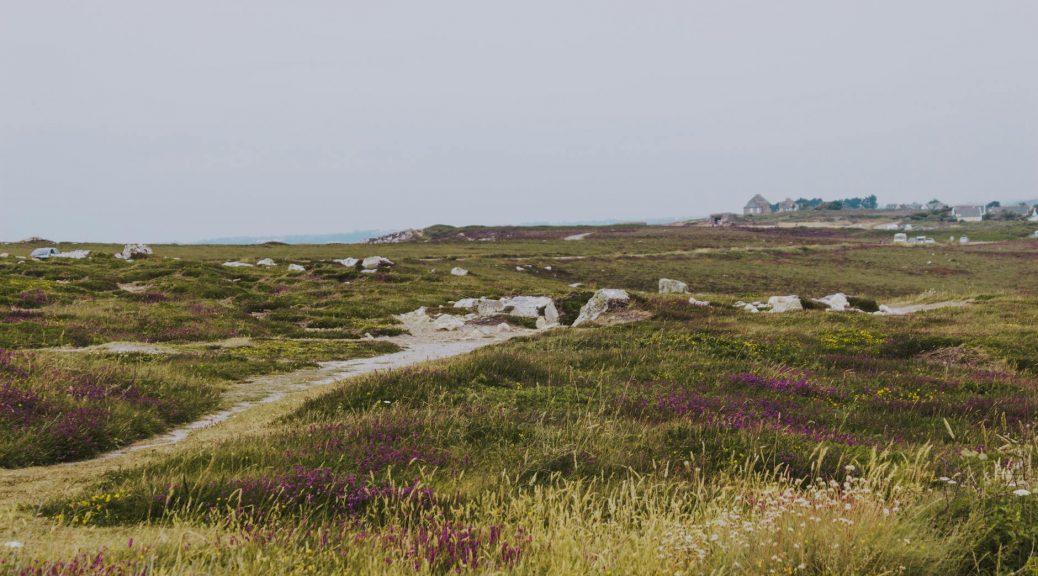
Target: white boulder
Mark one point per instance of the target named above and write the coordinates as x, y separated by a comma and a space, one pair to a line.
296, 268
131, 251
668, 286
836, 302
348, 262
604, 301
376, 262
43, 253
466, 303
266, 262
4, 254
780, 304
448, 322
695, 302
456, 271
237, 264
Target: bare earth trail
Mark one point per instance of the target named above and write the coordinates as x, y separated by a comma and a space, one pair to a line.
265, 399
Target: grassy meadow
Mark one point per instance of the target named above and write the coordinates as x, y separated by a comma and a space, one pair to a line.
701, 440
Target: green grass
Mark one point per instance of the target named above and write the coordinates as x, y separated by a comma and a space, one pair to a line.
702, 440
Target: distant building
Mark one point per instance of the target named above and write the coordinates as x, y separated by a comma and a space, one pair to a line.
900, 238
1020, 210
1034, 215
969, 213
788, 205
757, 206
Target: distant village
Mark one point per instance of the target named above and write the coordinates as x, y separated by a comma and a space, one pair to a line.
934, 210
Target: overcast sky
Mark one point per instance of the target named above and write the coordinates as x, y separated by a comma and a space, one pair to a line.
126, 120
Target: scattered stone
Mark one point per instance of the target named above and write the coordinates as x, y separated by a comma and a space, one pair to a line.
836, 302
296, 268
604, 301
448, 322
266, 262
520, 269
695, 302
548, 268
375, 262
576, 237
348, 262
366, 271
237, 264
131, 251
456, 271
4, 254
43, 253
414, 317
668, 286
466, 303
74, 254
750, 308
576, 285
785, 304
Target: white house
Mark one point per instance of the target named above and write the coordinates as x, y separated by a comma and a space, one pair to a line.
968, 213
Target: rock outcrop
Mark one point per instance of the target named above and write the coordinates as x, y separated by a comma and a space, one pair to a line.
836, 302
604, 302
457, 271
134, 251
668, 286
376, 262
780, 304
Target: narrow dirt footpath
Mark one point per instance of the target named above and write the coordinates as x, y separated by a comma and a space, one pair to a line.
268, 397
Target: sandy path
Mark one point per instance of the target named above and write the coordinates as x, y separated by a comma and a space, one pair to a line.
263, 399
416, 350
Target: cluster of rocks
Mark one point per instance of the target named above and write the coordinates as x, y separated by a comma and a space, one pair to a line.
398, 237
369, 265
541, 308
670, 286
606, 306
265, 262
132, 251
837, 302
776, 304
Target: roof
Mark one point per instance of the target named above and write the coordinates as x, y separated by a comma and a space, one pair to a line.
969, 211
758, 200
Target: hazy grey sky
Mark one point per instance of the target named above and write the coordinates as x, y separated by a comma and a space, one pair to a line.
134, 119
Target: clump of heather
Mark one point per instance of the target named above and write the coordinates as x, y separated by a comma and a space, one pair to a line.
391, 441
58, 410
312, 490
83, 564
449, 547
